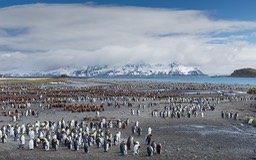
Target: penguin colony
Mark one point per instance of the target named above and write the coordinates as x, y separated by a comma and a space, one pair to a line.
19, 102
76, 135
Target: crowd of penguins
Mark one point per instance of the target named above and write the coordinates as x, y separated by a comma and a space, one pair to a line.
76, 135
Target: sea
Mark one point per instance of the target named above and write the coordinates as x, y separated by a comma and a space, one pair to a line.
191, 79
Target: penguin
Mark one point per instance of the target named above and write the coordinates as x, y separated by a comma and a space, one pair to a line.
136, 148
189, 114
31, 144
55, 143
123, 148
86, 147
236, 116
76, 146
127, 121
32, 134
46, 145
22, 141
150, 151
110, 124
119, 123
69, 143
59, 136
137, 123
13, 118
138, 112
123, 125
134, 129
202, 114
4, 138
90, 140
98, 142
118, 134
115, 140
12, 131
106, 145
132, 112
148, 139
178, 115
16, 134
109, 140
129, 142
153, 144
36, 142
149, 130
159, 148
222, 114
139, 131
161, 114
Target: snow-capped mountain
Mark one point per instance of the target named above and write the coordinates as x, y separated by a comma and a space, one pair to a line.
126, 70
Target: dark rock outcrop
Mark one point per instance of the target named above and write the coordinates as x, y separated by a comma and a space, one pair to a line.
245, 72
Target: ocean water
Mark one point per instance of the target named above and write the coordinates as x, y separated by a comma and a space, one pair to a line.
192, 79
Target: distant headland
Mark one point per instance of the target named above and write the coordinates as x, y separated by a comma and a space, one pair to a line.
244, 72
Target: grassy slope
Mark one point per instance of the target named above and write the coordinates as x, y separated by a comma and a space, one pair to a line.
30, 81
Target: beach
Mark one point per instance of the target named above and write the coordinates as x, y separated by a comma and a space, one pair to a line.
188, 121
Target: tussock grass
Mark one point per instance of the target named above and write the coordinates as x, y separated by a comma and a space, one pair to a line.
30, 81
252, 90
247, 118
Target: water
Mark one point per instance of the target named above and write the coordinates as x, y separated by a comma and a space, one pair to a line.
192, 79
204, 130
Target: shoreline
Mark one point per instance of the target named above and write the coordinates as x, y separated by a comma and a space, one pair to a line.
219, 80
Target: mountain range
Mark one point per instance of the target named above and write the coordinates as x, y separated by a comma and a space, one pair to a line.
139, 70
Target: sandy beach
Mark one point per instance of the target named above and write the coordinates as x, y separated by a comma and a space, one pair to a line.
202, 135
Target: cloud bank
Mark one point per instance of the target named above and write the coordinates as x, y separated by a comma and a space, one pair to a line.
43, 37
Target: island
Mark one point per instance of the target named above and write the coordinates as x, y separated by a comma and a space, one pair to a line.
244, 72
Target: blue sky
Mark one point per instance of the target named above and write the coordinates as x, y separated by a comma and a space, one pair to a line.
217, 36
224, 9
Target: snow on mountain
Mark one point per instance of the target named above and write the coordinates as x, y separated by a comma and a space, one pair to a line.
126, 70
67, 70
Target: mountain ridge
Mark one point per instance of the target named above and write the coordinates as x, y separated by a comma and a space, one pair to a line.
138, 70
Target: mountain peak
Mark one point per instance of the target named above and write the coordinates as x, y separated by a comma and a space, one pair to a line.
174, 64
141, 70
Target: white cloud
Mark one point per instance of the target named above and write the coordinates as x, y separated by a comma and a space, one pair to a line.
50, 36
